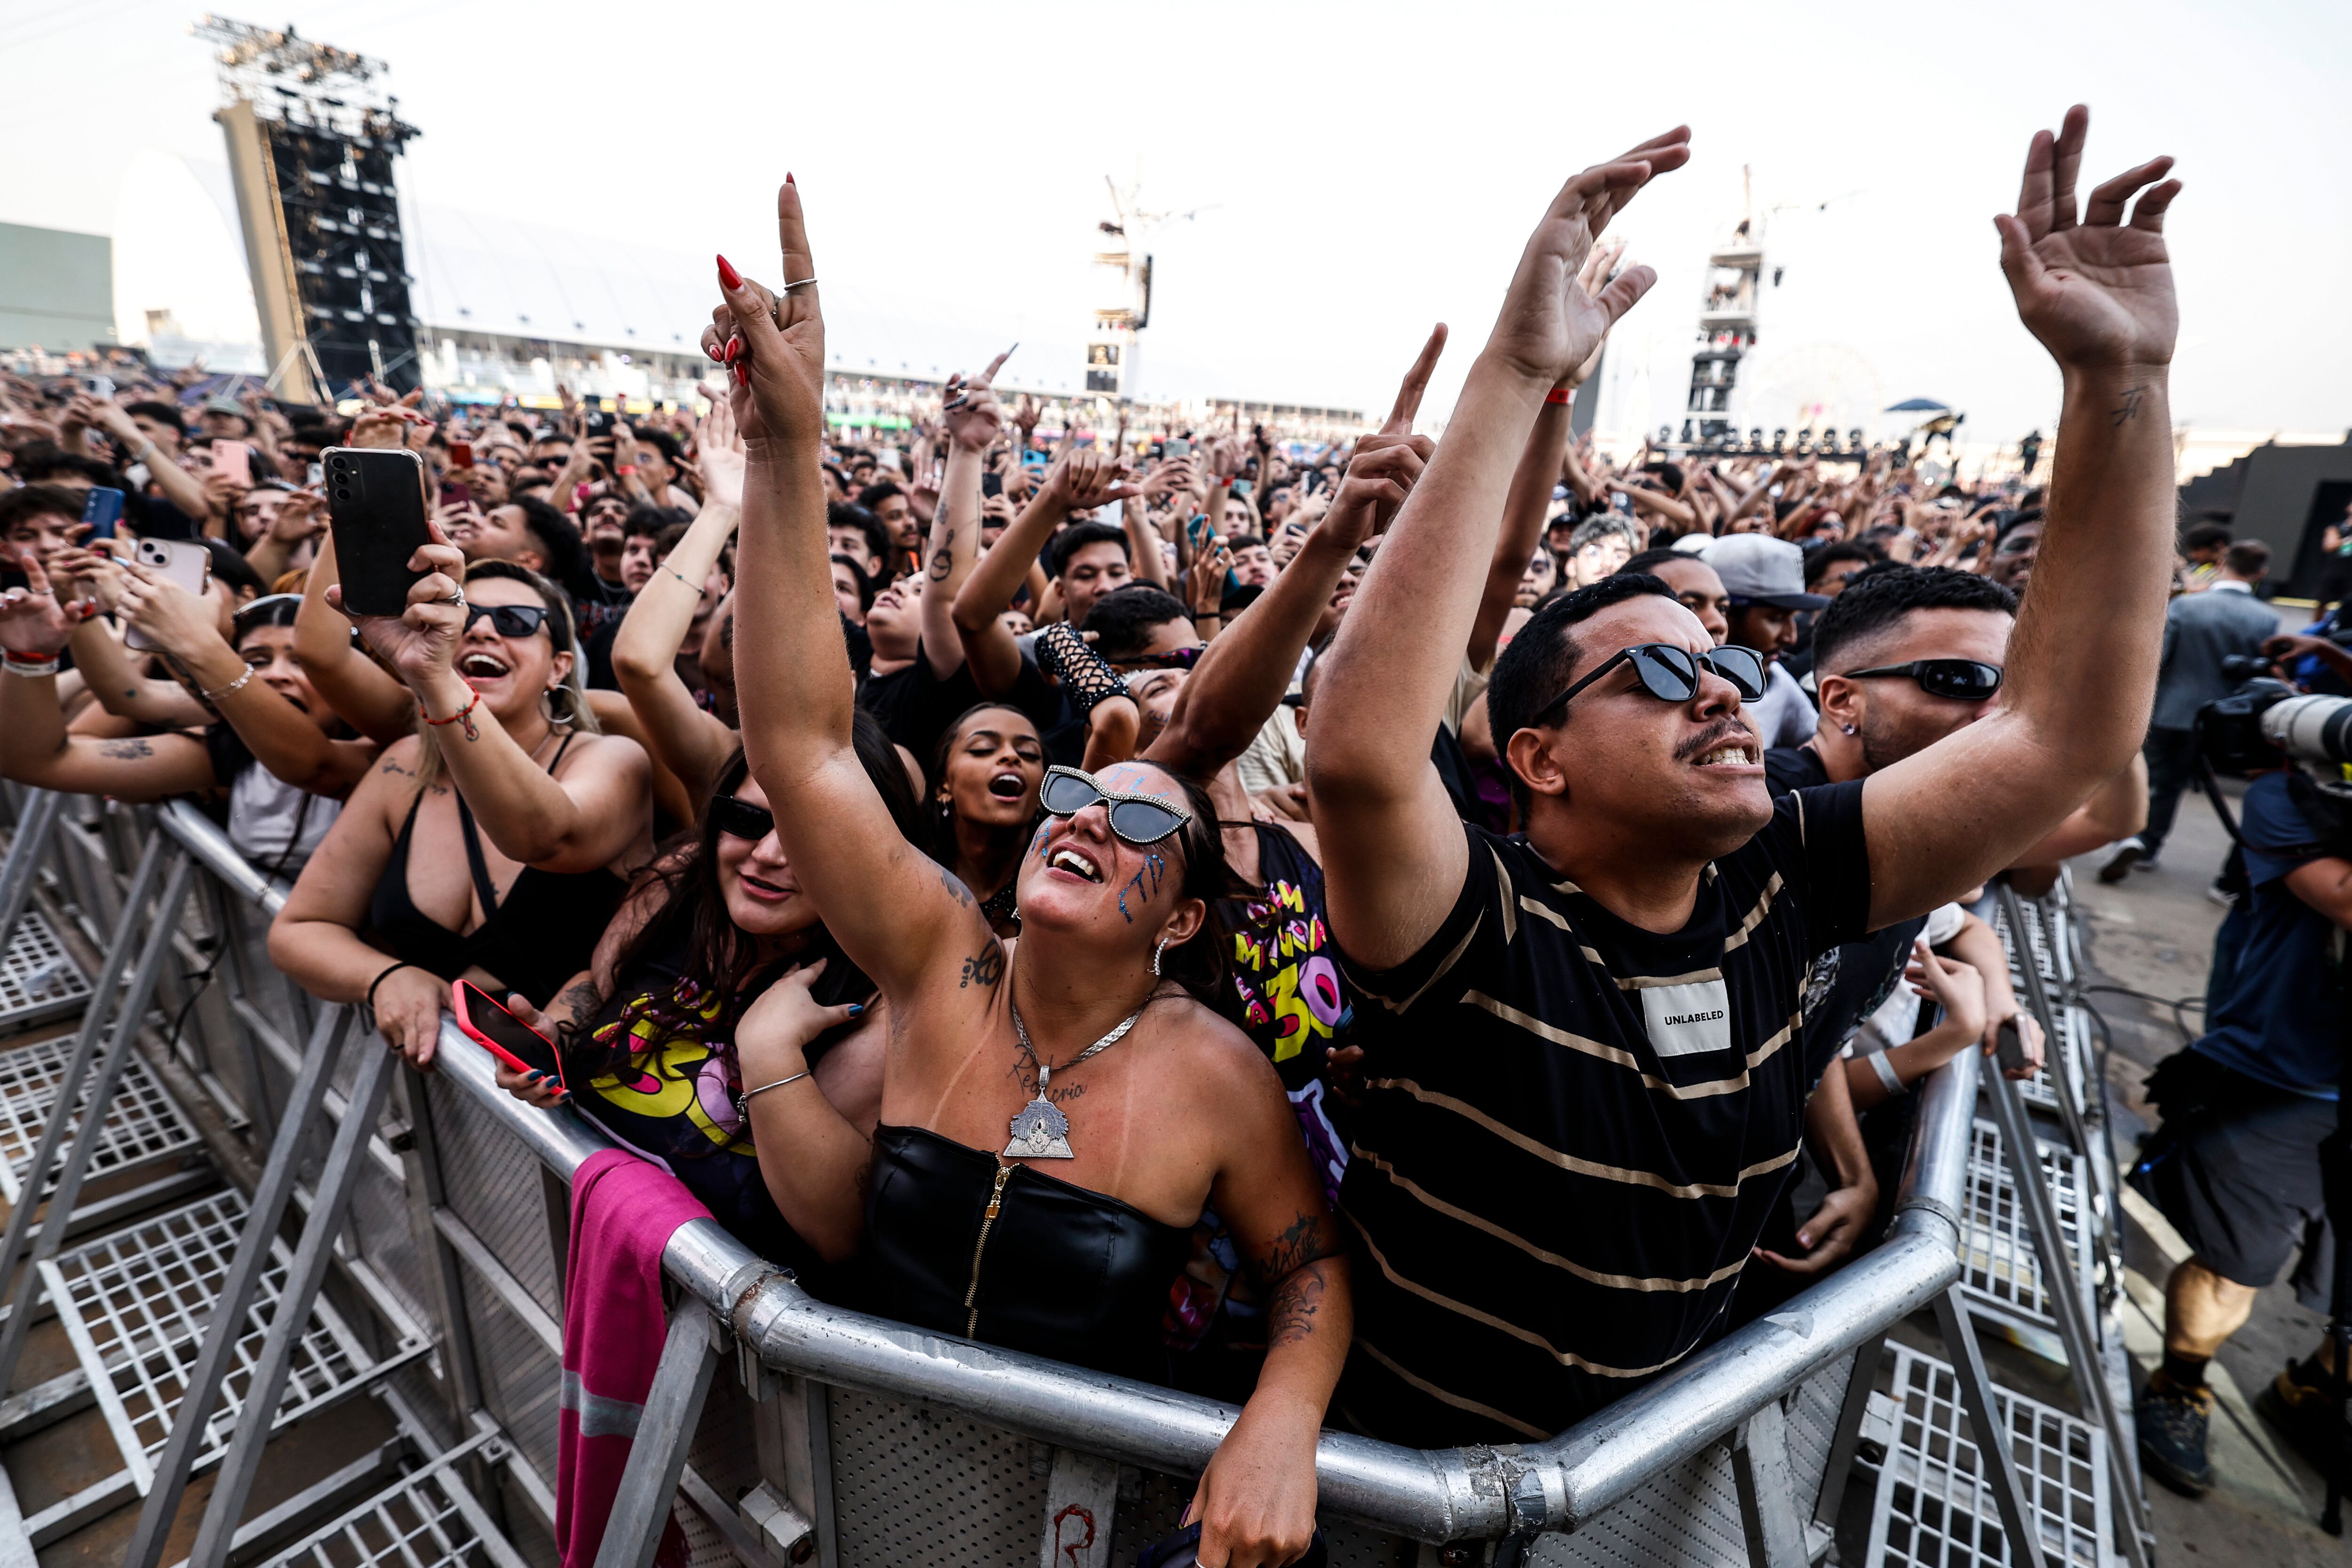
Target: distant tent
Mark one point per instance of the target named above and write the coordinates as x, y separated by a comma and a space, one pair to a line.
1920, 406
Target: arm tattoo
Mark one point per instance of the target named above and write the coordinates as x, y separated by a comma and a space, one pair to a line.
941, 562
1302, 1242
125, 749
954, 885
1290, 1317
983, 967
582, 1001
2130, 409
389, 767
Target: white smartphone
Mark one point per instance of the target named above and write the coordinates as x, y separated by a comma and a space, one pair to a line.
180, 561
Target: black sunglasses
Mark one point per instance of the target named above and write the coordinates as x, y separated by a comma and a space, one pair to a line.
1670, 674
509, 620
1963, 680
1175, 658
1140, 819
741, 819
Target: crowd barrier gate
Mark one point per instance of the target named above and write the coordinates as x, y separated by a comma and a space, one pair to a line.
400, 1235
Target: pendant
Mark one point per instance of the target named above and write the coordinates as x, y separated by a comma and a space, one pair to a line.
1040, 1132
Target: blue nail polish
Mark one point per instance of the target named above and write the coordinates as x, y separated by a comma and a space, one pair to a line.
856, 1008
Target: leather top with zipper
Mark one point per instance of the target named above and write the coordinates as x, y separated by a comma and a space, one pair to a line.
960, 1242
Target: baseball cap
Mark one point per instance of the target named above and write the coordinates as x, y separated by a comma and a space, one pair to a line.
1762, 570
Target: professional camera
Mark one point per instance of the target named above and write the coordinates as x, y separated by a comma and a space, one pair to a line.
2266, 723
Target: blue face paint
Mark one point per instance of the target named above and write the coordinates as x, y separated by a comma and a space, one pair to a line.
1158, 868
1038, 845
1122, 906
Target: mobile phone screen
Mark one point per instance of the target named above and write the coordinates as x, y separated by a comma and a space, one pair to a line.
505, 1036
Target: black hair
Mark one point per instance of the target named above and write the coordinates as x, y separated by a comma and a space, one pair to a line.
1199, 965
1537, 665
865, 582
39, 460
2206, 535
940, 840
2018, 520
1877, 597
849, 514
673, 452
231, 567
1818, 563
2248, 558
647, 518
160, 413
1638, 566
563, 554
270, 610
872, 497
27, 503
1078, 536
692, 922
1122, 620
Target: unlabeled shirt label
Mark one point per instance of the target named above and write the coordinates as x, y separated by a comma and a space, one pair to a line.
1684, 1020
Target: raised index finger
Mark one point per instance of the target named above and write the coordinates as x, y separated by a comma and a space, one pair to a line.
792, 239
1417, 383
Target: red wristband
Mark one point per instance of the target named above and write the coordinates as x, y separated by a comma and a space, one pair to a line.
1560, 395
625, 469
462, 716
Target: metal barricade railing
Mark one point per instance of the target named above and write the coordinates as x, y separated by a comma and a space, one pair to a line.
849, 1439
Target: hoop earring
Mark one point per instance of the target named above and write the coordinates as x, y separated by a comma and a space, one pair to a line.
1157, 951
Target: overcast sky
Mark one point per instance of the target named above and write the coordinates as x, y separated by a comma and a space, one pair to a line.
1362, 170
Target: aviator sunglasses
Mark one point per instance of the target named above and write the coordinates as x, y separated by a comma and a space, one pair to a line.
1670, 674
1140, 819
1963, 680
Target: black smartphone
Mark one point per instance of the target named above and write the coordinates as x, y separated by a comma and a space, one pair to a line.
990, 485
376, 505
101, 508
484, 1020
2009, 1048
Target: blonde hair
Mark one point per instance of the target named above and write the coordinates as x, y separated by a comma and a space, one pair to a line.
567, 703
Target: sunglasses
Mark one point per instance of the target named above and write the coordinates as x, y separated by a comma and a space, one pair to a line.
1175, 658
1963, 680
509, 620
1672, 674
1140, 819
741, 819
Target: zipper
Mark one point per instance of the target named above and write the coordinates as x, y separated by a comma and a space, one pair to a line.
995, 1202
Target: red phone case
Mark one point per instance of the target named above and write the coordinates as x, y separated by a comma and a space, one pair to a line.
474, 1033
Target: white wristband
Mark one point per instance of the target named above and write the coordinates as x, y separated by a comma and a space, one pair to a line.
1887, 1075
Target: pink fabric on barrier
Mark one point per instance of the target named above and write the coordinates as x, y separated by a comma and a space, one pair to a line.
623, 1213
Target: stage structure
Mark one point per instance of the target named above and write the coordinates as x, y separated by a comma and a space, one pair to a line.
311, 145
1123, 287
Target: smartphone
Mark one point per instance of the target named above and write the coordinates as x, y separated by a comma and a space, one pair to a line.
233, 460
455, 494
102, 510
992, 485
1243, 487
503, 1035
376, 505
1176, 446
180, 561
2009, 1047
597, 422
461, 453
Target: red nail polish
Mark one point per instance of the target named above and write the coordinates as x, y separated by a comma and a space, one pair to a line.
728, 275
788, 176
734, 350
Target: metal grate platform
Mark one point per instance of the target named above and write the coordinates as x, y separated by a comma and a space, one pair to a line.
426, 1519
135, 1305
2000, 1272
38, 978
143, 1125
2036, 945
1932, 1509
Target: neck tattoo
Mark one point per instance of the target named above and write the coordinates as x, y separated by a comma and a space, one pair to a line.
1040, 1132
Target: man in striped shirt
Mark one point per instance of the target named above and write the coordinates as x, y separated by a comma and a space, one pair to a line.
1584, 1075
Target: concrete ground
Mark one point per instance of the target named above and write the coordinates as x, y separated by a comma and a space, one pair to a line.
2153, 932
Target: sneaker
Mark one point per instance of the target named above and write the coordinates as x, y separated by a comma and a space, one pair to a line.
2148, 861
2221, 895
2301, 1413
2127, 852
2172, 1425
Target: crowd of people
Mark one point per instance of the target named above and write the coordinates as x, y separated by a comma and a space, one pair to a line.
1415, 936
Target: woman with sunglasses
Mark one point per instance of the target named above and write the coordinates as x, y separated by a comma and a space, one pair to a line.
492, 844
716, 983
275, 748
1056, 1111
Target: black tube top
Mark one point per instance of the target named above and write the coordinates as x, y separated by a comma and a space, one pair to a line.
1060, 1271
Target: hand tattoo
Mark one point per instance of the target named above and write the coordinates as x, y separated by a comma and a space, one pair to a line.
2133, 396
983, 967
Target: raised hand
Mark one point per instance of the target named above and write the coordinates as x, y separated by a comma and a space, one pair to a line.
971, 415
1592, 278
2096, 290
31, 619
1089, 477
1385, 466
774, 345
1549, 325
718, 450
421, 642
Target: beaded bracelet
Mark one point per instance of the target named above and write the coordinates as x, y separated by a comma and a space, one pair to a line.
232, 686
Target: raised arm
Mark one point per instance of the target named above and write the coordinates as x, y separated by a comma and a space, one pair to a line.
360, 692
1394, 848
1081, 477
2097, 292
180, 487
891, 908
108, 669
691, 743
972, 420
1238, 683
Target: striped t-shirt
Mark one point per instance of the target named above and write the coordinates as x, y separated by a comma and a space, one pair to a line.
1573, 1130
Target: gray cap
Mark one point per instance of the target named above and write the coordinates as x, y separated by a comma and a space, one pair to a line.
1762, 570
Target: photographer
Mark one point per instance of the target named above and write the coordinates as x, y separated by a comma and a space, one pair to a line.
2236, 1164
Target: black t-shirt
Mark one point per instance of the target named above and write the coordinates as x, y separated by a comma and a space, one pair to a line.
915, 706
1574, 1130
1845, 984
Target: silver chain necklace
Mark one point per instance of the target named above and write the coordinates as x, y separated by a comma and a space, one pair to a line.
1040, 1130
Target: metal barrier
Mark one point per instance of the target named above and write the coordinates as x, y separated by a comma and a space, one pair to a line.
436, 1241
